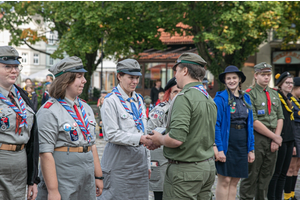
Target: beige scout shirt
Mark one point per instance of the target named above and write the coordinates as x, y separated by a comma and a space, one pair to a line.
52, 123
7, 133
118, 125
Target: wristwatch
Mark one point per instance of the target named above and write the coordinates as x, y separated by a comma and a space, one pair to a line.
100, 178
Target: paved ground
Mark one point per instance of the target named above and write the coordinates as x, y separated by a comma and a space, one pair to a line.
101, 144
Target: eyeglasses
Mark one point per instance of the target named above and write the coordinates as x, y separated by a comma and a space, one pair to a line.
9, 68
289, 83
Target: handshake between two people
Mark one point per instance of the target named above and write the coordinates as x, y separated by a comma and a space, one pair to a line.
152, 141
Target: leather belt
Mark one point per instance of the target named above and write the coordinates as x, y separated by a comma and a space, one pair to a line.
12, 147
83, 149
182, 162
237, 126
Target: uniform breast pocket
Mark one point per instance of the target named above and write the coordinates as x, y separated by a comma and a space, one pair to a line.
261, 108
7, 120
126, 120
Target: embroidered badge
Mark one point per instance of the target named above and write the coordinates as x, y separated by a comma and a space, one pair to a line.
67, 127
48, 104
261, 112
155, 116
4, 123
74, 135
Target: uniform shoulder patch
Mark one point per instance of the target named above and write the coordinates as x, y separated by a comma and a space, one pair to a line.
82, 100
48, 105
108, 95
248, 90
162, 104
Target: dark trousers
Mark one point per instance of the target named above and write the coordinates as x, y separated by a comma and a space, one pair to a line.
282, 165
158, 195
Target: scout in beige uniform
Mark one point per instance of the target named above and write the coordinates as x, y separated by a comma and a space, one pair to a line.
267, 124
158, 118
18, 133
125, 161
70, 166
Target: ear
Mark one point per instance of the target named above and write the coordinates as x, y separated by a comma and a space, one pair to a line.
185, 71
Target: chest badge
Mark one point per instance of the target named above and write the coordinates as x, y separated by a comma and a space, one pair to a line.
67, 127
233, 108
4, 123
74, 135
75, 124
263, 104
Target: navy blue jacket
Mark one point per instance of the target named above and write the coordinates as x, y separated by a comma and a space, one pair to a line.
223, 122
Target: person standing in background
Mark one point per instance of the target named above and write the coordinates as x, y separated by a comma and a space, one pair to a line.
155, 91
46, 95
267, 124
32, 96
292, 174
158, 118
285, 85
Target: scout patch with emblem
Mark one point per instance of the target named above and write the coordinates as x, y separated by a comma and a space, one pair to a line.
4, 123
74, 135
233, 108
261, 112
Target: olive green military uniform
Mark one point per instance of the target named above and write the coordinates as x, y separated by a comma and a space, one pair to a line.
192, 121
262, 169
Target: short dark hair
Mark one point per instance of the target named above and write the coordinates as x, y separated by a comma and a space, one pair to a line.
195, 71
59, 85
121, 74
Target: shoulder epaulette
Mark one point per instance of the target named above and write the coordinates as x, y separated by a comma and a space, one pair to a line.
82, 100
274, 89
48, 105
108, 95
248, 90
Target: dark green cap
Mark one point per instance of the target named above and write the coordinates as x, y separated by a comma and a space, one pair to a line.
190, 58
263, 67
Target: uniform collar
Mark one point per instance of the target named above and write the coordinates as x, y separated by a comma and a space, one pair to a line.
190, 85
5, 92
124, 95
71, 103
261, 89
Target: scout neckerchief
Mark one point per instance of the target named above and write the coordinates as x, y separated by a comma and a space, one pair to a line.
84, 129
295, 101
268, 101
15, 108
201, 89
136, 114
286, 106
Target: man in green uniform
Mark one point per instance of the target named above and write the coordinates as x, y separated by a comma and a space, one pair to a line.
188, 144
268, 121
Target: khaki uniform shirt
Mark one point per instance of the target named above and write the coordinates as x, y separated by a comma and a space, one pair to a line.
260, 106
54, 121
193, 119
8, 121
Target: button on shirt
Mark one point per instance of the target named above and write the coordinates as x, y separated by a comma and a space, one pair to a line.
238, 110
56, 126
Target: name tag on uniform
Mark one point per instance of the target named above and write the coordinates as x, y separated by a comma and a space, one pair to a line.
154, 164
261, 112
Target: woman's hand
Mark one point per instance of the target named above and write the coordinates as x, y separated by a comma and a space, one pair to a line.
274, 146
294, 151
149, 173
216, 153
99, 187
251, 157
222, 157
54, 195
32, 192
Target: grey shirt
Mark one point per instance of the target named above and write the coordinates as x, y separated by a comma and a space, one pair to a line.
118, 125
8, 121
53, 122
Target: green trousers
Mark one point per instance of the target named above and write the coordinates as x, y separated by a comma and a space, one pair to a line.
260, 171
189, 181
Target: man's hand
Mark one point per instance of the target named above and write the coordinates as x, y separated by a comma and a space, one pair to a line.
251, 157
148, 143
277, 139
222, 157
274, 146
32, 192
155, 138
99, 187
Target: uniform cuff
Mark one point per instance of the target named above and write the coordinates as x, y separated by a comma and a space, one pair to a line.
135, 140
46, 148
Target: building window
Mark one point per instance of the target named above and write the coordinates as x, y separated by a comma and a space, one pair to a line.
51, 38
51, 60
35, 59
24, 57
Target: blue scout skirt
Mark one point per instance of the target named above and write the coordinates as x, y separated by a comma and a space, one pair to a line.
236, 164
297, 139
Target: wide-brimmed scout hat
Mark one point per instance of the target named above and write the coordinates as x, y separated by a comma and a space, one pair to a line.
190, 58
232, 69
280, 77
69, 64
129, 66
263, 67
9, 55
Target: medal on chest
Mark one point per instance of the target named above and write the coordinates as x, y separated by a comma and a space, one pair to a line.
233, 108
4, 123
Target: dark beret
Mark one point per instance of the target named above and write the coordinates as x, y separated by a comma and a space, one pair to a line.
281, 77
172, 82
297, 81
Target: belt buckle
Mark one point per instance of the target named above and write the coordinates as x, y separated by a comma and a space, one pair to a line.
18, 147
85, 149
239, 126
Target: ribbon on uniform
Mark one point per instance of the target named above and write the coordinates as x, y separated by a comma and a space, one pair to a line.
286, 106
136, 114
84, 129
201, 89
15, 108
